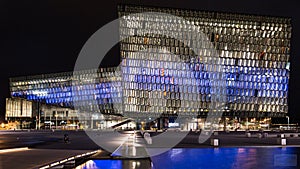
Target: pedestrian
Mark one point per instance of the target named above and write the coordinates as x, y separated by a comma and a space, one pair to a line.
66, 138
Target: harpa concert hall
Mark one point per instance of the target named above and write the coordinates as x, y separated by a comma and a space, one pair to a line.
173, 63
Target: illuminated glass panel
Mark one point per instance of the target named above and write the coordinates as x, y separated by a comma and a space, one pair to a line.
254, 53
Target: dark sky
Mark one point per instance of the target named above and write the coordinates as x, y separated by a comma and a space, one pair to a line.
45, 36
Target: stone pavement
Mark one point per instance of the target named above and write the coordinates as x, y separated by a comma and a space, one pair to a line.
35, 158
47, 146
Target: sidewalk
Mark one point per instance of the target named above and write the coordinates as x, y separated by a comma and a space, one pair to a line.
47, 147
35, 158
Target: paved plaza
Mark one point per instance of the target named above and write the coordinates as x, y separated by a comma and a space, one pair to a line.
45, 147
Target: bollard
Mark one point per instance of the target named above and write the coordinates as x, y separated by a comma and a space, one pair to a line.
148, 138
146, 135
248, 135
214, 142
283, 142
259, 135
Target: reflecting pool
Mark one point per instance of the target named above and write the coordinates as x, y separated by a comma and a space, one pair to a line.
210, 158
233, 158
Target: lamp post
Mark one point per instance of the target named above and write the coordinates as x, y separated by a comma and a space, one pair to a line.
288, 118
56, 120
38, 117
50, 122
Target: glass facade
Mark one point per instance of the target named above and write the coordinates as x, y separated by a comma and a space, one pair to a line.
160, 74
18, 108
253, 53
65, 89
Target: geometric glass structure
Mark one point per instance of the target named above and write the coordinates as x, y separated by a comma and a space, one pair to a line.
56, 89
253, 58
253, 51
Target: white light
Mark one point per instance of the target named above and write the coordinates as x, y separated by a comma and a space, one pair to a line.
62, 161
47, 166
173, 124
71, 158
37, 92
14, 150
53, 164
68, 159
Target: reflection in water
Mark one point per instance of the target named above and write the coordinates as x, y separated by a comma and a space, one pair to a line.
175, 153
116, 164
103, 164
209, 158
231, 158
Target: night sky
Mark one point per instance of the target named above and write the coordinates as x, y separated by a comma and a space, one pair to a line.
46, 36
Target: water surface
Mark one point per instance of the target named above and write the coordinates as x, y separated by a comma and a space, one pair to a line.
210, 158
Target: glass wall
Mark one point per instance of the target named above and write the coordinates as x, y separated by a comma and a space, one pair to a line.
65, 89
18, 108
161, 74
253, 53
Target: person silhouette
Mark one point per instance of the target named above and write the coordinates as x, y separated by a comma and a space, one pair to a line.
66, 138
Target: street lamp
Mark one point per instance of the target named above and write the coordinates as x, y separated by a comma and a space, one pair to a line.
56, 120
50, 122
288, 118
39, 119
